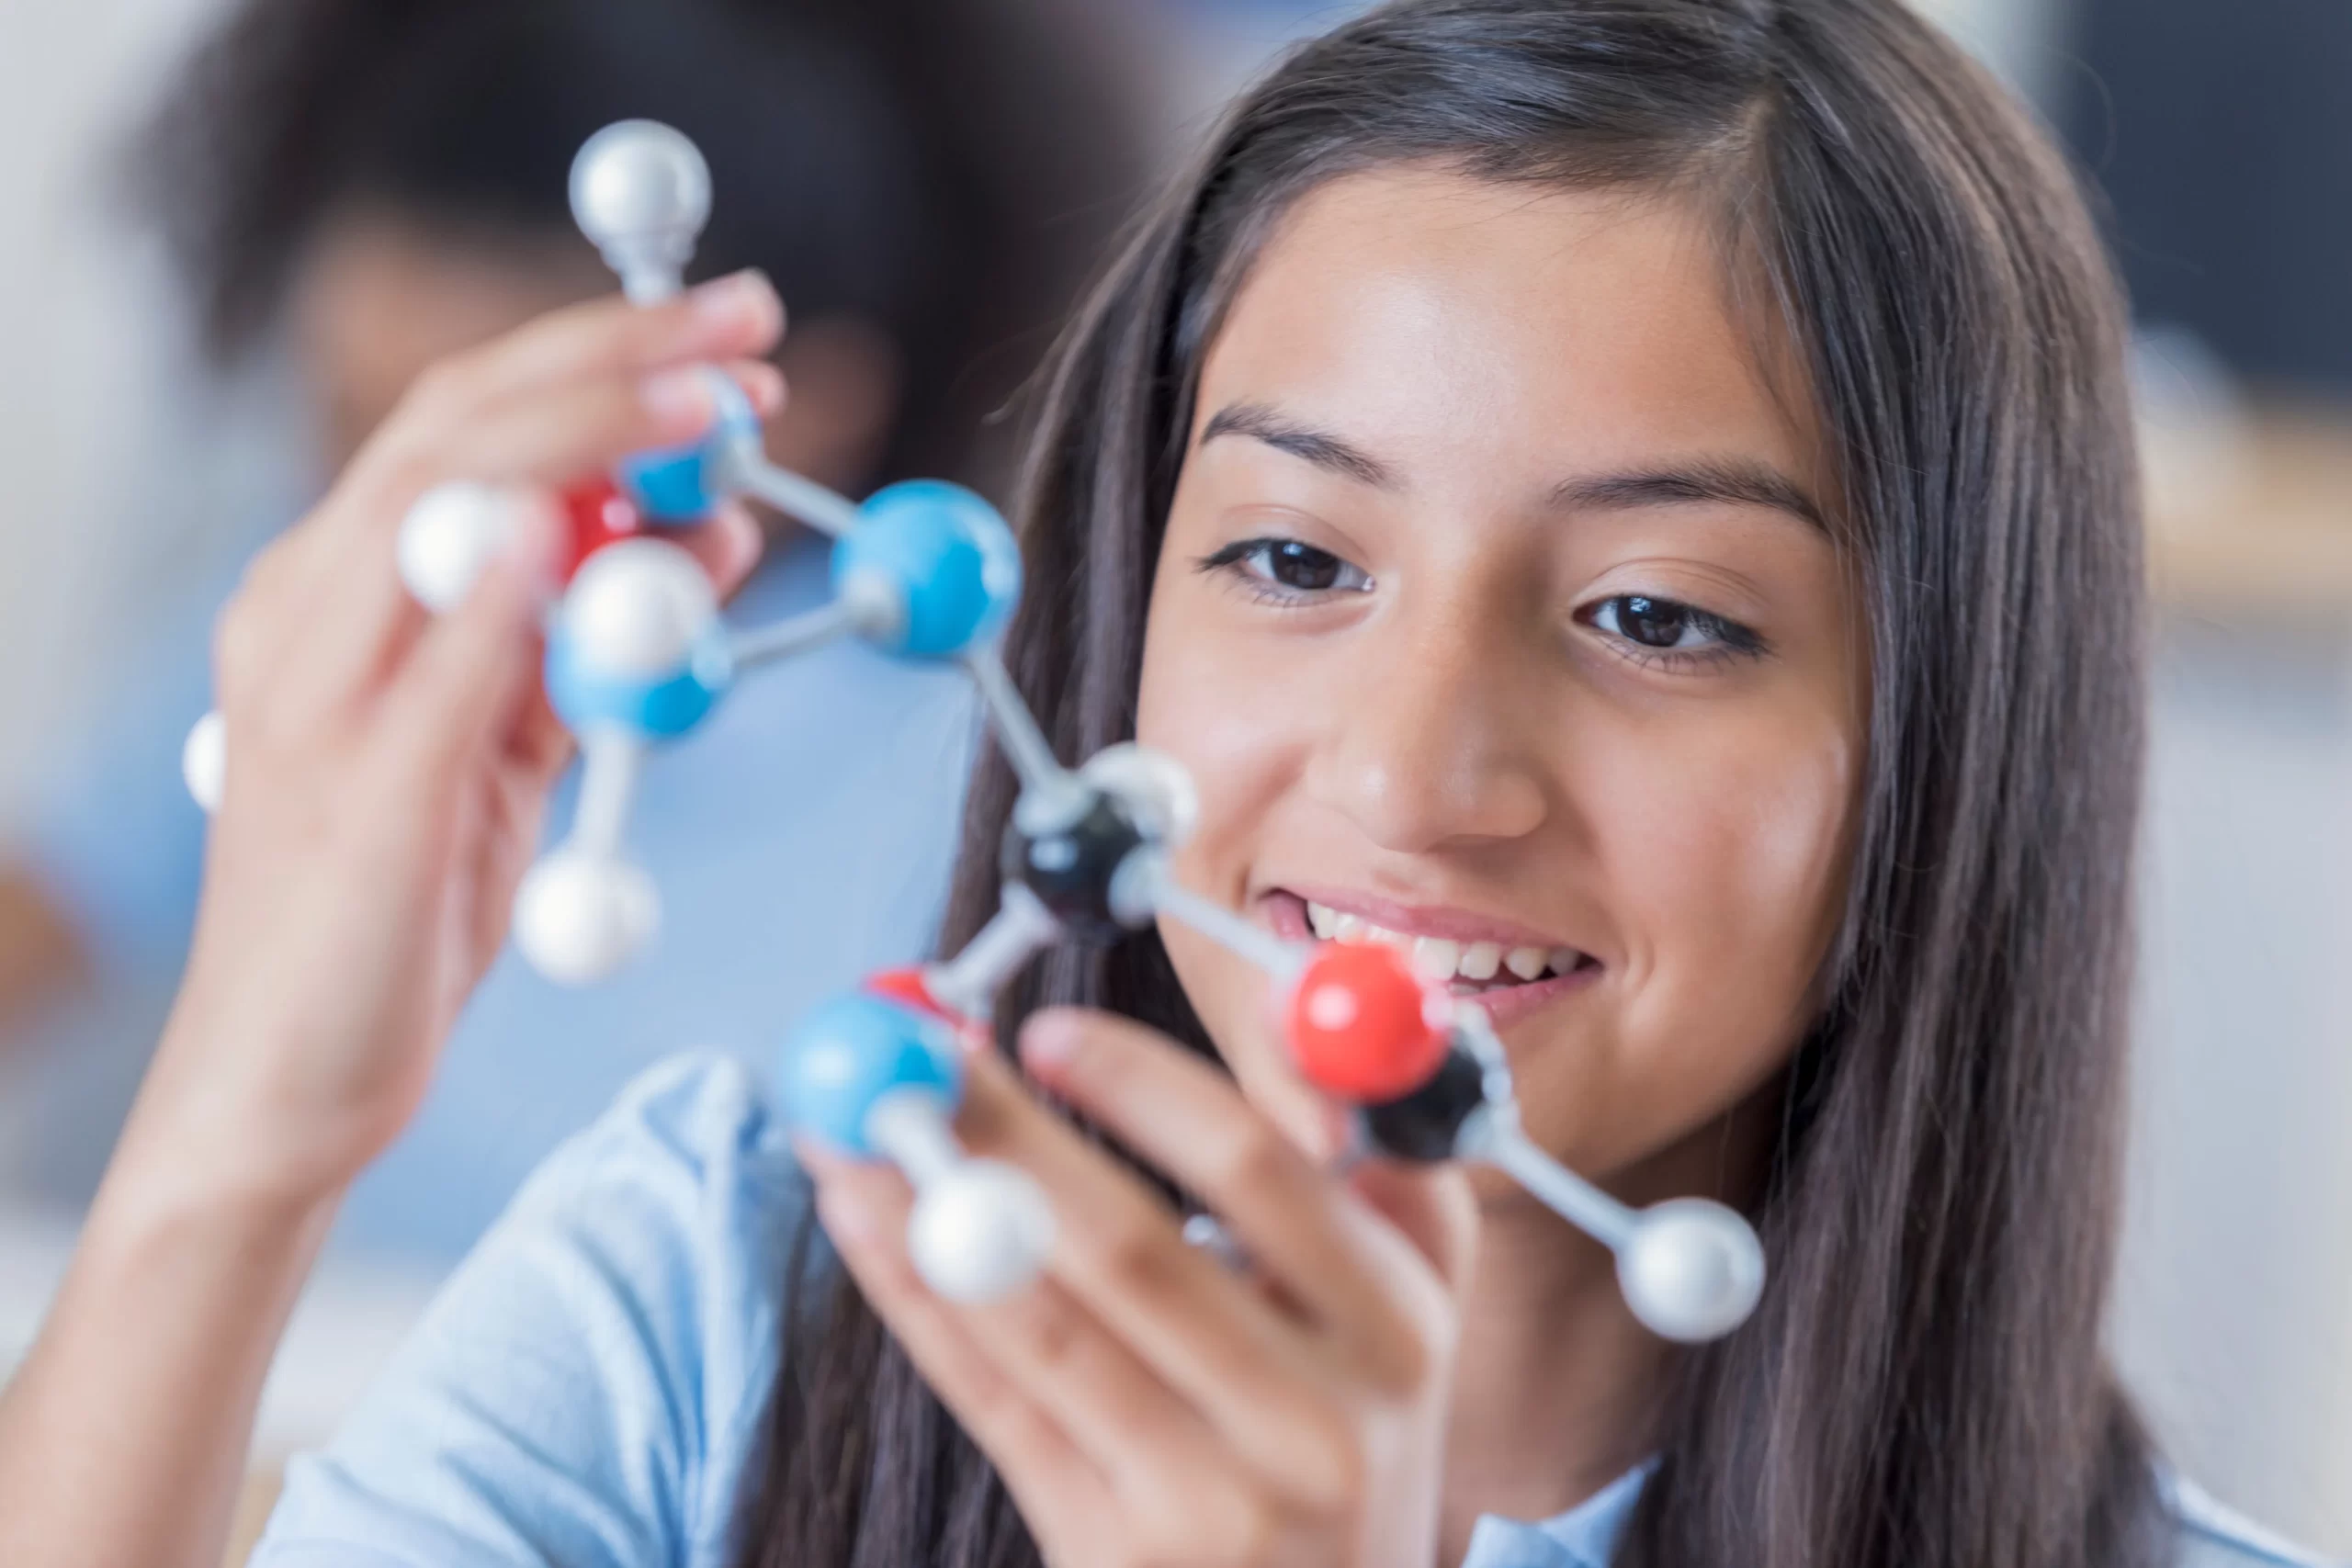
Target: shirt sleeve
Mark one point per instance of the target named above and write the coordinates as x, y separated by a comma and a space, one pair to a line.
588, 1386
2209, 1534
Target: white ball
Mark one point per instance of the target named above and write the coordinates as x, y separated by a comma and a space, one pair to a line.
637, 609
204, 761
980, 1231
579, 917
639, 177
1692, 1271
452, 531
1153, 785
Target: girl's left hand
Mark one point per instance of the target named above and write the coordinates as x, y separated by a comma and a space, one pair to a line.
1144, 1402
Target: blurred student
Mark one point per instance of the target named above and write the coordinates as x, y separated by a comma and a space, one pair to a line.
355, 188
124, 1431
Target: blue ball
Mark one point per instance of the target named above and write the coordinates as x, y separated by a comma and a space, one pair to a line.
947, 554
659, 709
685, 484
852, 1051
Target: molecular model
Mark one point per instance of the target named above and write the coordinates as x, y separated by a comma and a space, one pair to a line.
637, 655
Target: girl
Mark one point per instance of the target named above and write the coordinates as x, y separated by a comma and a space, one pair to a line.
1630, 497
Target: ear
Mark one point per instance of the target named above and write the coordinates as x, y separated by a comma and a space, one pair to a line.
841, 373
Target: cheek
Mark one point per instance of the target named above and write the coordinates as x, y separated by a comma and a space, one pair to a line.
1206, 700
1728, 857
1722, 859
1220, 706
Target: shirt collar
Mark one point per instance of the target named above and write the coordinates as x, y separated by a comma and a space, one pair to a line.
1584, 1537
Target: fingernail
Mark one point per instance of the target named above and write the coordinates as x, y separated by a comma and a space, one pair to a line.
764, 384
679, 396
740, 298
1049, 1040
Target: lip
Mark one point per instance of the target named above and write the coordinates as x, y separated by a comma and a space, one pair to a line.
1425, 920
1286, 907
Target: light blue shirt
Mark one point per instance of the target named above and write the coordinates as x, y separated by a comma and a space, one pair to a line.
800, 837
590, 1388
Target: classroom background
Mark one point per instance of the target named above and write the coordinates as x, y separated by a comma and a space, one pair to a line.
2221, 137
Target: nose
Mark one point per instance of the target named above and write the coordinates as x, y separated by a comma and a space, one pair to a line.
1428, 749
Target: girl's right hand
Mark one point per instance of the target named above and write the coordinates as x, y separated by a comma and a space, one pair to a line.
387, 774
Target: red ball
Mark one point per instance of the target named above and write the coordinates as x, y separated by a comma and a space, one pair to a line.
1362, 1024
906, 987
600, 515
909, 990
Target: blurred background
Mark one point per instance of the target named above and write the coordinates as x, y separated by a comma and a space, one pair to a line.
154, 434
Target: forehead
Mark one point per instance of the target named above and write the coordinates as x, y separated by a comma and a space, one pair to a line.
1464, 324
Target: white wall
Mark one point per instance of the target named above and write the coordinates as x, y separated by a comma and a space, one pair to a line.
2235, 1317
77, 311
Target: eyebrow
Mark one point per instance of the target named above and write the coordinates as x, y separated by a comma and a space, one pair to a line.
1317, 446
1735, 481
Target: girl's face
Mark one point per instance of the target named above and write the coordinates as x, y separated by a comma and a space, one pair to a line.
1496, 618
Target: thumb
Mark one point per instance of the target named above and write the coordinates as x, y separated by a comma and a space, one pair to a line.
1431, 1204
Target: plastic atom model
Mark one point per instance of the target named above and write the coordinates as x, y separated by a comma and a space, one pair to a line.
637, 655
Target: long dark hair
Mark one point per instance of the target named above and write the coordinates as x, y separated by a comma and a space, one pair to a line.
946, 170
1924, 1385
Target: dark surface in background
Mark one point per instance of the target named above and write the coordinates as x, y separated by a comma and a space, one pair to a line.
2222, 132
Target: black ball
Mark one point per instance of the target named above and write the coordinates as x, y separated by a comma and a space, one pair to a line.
1069, 869
1426, 1123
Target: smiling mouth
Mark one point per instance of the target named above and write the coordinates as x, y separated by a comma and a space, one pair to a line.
1489, 967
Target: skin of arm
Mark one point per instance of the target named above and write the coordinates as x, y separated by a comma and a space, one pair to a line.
370, 750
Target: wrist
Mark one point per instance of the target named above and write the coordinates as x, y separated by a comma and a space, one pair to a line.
217, 1131
169, 1179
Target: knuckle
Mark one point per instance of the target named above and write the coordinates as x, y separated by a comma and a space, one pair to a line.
1403, 1359
446, 386
237, 643
1137, 1259
1053, 1332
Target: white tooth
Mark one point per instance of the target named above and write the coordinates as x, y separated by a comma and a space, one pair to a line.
1562, 960
1349, 929
1397, 940
1435, 957
1481, 959
1321, 917
1526, 962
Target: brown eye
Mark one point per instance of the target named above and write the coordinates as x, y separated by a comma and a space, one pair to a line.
1283, 568
1653, 623
1664, 625
1303, 566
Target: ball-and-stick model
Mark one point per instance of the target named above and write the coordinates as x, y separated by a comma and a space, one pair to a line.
638, 656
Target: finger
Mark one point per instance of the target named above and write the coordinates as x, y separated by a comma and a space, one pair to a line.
739, 316
1057, 1487
1432, 1205
471, 671
1128, 1423
729, 546
257, 618
1322, 1247
1211, 1336
361, 616
734, 318
561, 432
